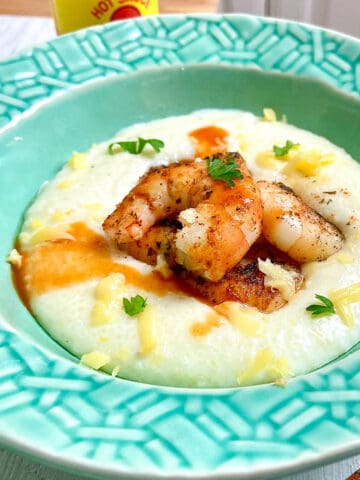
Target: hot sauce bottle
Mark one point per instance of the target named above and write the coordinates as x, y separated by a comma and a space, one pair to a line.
72, 15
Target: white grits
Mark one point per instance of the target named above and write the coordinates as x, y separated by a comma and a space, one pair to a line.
287, 342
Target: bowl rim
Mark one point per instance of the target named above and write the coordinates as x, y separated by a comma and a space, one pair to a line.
90, 466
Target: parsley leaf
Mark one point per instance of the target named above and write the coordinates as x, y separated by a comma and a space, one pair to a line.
136, 146
135, 305
219, 170
281, 151
326, 309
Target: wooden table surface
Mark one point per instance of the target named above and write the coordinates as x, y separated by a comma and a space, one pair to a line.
42, 8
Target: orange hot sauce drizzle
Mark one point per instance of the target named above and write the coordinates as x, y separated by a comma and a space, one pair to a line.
62, 263
209, 140
200, 329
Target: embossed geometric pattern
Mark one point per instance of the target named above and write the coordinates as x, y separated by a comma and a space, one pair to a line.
121, 48
89, 420
154, 429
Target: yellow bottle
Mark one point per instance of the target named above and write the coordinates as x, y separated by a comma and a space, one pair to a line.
72, 15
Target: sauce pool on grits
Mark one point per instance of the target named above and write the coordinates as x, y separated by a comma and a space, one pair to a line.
214, 249
82, 256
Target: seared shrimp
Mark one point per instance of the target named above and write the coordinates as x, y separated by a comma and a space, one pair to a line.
245, 283
294, 227
158, 240
219, 223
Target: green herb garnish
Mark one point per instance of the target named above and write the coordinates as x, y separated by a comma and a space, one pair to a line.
281, 151
135, 305
219, 170
326, 309
136, 146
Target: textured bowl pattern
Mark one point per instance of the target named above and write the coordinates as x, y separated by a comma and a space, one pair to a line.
66, 414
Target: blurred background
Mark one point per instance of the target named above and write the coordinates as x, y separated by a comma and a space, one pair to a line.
342, 15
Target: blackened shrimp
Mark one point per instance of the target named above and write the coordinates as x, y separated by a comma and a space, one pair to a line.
246, 283
219, 223
158, 240
294, 227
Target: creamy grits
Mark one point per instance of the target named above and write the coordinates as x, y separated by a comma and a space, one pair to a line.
74, 281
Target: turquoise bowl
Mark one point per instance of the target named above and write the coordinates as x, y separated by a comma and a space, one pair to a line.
80, 89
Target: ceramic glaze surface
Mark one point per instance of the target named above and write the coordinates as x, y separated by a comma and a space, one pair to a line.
75, 286
130, 46
52, 408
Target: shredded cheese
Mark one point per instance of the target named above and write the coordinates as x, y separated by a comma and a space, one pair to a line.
14, 258
78, 161
307, 162
35, 224
265, 360
147, 330
269, 115
260, 362
65, 184
245, 319
115, 371
297, 160
266, 159
108, 294
344, 258
61, 215
278, 277
95, 359
281, 368
45, 234
342, 299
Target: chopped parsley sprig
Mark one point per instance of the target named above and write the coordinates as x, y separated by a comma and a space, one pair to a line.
136, 146
282, 151
327, 307
135, 305
226, 172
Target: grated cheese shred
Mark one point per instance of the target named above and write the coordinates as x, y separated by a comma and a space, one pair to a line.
265, 360
278, 277
108, 294
45, 234
245, 319
95, 359
14, 258
147, 330
78, 161
342, 299
269, 115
